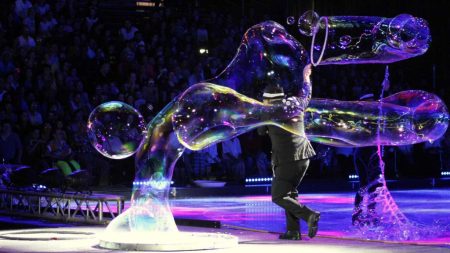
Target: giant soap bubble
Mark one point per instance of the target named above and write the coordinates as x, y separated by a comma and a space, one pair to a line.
116, 129
267, 54
209, 113
359, 39
408, 117
226, 106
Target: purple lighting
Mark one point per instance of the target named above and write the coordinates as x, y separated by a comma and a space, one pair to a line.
258, 212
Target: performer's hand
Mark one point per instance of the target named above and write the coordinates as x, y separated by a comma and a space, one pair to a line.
307, 73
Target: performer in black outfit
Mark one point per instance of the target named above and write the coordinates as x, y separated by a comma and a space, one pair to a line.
290, 160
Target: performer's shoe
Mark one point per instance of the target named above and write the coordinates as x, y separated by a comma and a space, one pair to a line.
290, 235
313, 224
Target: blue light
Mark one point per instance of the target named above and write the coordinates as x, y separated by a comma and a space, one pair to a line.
353, 176
258, 180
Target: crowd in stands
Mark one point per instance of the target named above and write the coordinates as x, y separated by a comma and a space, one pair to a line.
59, 59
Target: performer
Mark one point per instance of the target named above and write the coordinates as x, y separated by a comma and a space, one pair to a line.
290, 160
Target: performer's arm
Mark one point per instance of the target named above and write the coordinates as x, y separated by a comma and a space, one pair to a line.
305, 91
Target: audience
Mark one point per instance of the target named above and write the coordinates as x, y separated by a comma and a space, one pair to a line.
10, 144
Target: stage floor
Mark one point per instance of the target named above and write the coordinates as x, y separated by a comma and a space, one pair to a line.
424, 207
249, 241
257, 222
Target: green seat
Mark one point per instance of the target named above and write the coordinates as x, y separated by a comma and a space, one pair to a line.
75, 165
68, 168
64, 167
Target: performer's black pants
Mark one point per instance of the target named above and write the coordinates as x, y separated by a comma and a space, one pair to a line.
284, 192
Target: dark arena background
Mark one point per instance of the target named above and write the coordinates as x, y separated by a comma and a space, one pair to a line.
62, 62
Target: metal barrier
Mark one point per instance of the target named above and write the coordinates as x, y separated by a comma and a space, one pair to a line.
96, 208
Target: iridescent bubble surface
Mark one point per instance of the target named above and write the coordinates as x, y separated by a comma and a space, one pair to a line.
344, 41
267, 54
155, 162
307, 22
116, 129
408, 117
209, 113
361, 39
290, 20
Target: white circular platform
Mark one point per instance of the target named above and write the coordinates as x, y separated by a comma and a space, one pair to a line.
46, 235
166, 241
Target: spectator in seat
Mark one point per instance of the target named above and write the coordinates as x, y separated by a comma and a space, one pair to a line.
10, 145
127, 31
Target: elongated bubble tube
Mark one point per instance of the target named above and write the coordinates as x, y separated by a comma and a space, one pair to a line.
209, 113
155, 162
362, 39
410, 117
